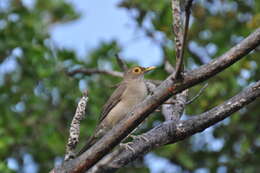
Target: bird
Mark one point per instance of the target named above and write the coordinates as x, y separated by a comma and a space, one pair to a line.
131, 91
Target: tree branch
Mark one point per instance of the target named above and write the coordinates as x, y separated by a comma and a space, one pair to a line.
91, 71
170, 132
178, 32
180, 35
174, 111
163, 92
177, 25
106, 72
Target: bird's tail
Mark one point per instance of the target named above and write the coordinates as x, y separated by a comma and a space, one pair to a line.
92, 140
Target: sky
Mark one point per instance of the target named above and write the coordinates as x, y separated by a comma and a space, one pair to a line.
104, 21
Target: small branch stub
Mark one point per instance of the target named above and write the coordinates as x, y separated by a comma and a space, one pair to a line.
75, 127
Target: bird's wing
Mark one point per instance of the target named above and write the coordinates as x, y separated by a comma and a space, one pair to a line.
113, 100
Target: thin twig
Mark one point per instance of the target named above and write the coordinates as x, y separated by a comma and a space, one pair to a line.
75, 127
121, 63
90, 71
197, 95
106, 72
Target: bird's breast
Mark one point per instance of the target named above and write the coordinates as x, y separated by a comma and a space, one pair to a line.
134, 94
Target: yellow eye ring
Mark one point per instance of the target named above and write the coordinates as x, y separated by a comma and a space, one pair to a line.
137, 70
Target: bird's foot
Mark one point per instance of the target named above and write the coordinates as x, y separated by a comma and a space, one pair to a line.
127, 146
140, 137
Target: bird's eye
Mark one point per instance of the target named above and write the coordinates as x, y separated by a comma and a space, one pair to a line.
137, 70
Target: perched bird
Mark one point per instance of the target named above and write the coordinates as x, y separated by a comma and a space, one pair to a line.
131, 91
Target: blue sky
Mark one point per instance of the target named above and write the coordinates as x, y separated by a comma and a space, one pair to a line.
104, 21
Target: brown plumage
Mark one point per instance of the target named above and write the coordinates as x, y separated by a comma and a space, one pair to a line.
131, 91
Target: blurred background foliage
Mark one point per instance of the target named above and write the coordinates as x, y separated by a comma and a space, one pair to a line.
38, 98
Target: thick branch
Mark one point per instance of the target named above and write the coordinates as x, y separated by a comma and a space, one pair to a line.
163, 92
91, 71
170, 132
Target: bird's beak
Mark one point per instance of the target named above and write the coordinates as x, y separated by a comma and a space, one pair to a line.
149, 68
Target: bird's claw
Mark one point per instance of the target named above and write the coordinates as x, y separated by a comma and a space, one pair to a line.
127, 146
140, 137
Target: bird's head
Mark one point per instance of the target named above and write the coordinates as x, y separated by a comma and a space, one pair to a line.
137, 72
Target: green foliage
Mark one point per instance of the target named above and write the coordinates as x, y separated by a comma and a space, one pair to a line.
4, 168
38, 98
